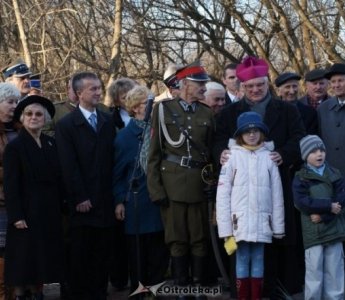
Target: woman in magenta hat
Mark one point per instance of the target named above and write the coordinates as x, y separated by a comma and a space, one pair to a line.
32, 192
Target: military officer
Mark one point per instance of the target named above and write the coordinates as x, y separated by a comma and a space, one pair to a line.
18, 73
175, 163
62, 108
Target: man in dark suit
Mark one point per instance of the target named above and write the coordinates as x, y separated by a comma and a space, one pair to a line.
285, 130
316, 88
231, 83
287, 88
84, 139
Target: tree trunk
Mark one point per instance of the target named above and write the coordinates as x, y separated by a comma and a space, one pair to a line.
116, 48
20, 24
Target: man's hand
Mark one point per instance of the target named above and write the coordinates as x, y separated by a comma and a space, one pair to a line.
224, 157
336, 208
276, 157
21, 224
84, 207
315, 218
120, 212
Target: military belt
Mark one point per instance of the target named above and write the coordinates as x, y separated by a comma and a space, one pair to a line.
184, 161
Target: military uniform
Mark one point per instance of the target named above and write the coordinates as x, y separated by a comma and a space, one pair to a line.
172, 176
61, 109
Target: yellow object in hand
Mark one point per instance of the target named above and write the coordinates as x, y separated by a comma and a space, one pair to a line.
230, 245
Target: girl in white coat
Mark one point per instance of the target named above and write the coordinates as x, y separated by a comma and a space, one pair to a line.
250, 206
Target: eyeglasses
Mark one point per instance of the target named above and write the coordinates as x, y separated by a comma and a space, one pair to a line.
29, 114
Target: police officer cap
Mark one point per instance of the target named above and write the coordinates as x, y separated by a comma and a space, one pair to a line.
315, 75
336, 69
17, 69
35, 81
284, 77
194, 72
169, 77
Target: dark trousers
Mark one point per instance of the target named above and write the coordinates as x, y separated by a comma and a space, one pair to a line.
283, 263
118, 272
89, 262
154, 259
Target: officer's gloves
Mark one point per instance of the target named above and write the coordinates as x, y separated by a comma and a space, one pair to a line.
162, 202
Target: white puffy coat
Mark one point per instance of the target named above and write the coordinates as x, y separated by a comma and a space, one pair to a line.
250, 203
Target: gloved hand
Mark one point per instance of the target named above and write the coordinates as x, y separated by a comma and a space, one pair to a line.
279, 236
164, 202
230, 245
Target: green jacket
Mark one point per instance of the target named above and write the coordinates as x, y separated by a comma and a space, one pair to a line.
314, 194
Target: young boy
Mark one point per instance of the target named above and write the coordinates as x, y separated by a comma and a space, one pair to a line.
319, 194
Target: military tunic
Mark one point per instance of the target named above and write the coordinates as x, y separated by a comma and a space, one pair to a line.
61, 109
171, 175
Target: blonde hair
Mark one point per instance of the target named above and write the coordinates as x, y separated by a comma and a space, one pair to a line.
134, 98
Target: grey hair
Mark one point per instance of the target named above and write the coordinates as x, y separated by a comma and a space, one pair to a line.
47, 117
213, 85
8, 90
77, 80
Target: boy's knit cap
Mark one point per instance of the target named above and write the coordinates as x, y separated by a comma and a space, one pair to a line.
310, 143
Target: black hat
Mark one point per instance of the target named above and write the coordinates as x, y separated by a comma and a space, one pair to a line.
315, 75
47, 104
284, 77
17, 69
336, 69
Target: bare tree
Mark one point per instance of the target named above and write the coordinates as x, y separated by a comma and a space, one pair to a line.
139, 38
23, 38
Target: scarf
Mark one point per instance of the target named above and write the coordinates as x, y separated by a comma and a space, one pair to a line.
259, 107
146, 143
252, 148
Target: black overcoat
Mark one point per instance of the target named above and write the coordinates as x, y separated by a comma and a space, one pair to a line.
32, 193
86, 159
285, 130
